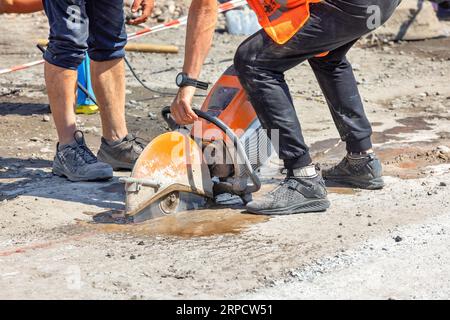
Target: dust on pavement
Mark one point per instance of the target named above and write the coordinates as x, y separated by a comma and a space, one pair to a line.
50, 247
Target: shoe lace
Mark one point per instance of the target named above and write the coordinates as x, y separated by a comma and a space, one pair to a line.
343, 163
82, 153
288, 182
357, 165
139, 142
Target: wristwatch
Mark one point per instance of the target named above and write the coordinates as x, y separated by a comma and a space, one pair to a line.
183, 80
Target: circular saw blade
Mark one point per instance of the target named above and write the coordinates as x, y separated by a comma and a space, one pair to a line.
171, 204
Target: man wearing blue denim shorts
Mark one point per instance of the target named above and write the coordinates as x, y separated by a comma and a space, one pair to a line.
96, 27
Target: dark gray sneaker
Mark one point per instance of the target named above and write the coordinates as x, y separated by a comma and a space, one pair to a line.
77, 163
121, 155
293, 195
359, 172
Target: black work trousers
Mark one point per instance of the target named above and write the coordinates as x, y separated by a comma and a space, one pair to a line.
334, 26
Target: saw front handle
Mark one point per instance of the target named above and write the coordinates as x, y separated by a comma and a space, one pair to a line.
242, 157
135, 183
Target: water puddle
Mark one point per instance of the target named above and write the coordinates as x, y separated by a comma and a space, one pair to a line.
329, 148
400, 159
190, 224
114, 188
408, 125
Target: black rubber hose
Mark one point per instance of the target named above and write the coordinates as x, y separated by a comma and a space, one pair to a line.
133, 72
236, 143
164, 94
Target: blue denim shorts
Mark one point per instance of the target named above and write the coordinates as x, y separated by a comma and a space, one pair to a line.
79, 26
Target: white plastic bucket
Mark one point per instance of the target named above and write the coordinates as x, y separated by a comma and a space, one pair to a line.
242, 21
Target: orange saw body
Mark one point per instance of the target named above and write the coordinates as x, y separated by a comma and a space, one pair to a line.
214, 161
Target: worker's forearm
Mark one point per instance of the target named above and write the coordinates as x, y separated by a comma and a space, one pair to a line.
20, 6
5, 6
200, 31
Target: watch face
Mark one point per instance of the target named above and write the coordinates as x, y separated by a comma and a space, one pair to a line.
180, 79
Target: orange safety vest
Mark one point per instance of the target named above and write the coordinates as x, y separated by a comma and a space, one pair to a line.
281, 19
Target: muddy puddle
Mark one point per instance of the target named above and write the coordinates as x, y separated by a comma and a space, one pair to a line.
329, 149
406, 125
191, 224
400, 159
114, 188
333, 149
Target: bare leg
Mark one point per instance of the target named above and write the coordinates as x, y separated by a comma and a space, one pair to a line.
108, 81
61, 88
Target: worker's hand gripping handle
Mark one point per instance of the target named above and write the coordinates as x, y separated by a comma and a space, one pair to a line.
242, 156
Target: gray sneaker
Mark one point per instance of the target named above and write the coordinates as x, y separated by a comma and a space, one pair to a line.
77, 163
359, 172
121, 155
293, 195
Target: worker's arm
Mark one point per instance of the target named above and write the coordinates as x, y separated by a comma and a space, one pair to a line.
20, 6
202, 22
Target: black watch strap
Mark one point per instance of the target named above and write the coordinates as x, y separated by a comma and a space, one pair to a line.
183, 80
201, 85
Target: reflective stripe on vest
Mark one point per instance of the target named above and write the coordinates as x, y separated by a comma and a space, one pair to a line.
281, 19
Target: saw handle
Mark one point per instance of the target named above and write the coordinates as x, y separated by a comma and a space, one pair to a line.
230, 134
166, 114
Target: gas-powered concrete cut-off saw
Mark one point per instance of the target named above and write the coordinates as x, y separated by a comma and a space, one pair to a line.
190, 168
